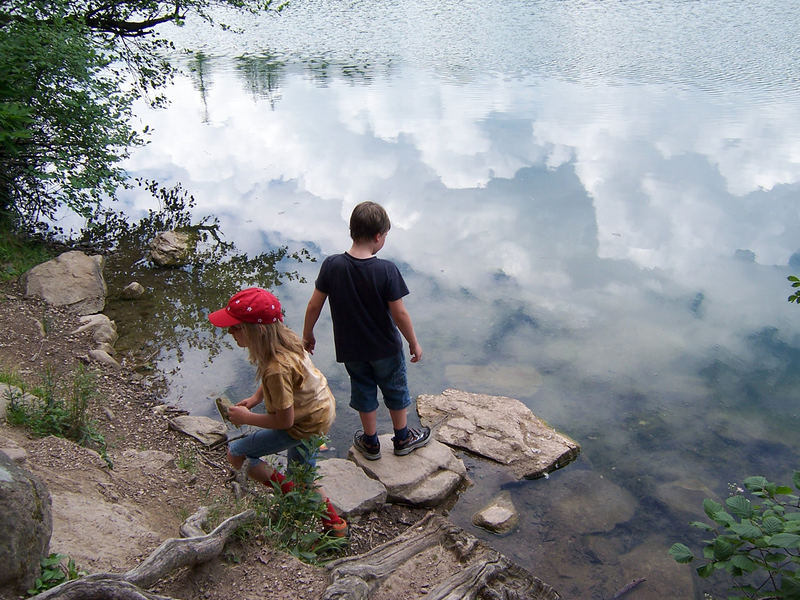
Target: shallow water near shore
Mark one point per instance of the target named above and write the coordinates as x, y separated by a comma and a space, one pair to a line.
595, 206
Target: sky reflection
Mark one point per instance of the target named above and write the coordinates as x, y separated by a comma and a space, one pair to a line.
597, 225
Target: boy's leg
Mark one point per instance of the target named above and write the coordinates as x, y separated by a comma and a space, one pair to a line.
364, 398
390, 374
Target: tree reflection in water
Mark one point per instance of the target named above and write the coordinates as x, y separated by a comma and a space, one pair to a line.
170, 317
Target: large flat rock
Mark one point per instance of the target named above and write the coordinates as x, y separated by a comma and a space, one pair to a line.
426, 477
499, 428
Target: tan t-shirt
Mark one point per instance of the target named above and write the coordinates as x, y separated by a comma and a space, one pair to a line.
302, 385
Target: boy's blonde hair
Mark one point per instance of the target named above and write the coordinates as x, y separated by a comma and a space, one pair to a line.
271, 342
367, 220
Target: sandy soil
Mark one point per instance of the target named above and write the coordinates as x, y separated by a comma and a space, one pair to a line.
109, 519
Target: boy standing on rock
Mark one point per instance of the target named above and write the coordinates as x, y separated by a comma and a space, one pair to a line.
366, 300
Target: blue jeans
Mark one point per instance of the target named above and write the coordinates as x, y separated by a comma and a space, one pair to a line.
388, 374
270, 441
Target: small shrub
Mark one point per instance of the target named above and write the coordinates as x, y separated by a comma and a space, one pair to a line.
48, 414
756, 543
292, 521
55, 572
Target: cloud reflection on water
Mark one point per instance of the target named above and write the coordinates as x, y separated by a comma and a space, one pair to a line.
591, 234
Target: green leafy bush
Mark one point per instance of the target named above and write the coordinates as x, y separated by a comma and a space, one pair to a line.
292, 521
49, 414
756, 542
55, 572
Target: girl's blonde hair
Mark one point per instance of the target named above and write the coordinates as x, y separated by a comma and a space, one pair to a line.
271, 342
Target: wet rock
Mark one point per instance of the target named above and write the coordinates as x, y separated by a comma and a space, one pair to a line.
72, 280
349, 488
426, 477
499, 516
27, 524
499, 428
132, 290
170, 249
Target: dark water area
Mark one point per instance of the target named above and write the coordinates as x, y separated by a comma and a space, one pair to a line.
595, 206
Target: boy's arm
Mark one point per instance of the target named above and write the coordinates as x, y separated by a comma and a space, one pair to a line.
313, 310
403, 321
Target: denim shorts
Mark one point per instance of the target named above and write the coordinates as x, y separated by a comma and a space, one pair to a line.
270, 441
388, 374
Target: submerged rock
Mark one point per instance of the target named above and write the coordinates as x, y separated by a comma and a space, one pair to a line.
499, 516
499, 428
171, 249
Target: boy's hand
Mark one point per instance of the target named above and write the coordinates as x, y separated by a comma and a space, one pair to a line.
238, 414
416, 352
309, 342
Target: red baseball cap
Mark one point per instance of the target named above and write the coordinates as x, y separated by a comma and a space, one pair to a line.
253, 305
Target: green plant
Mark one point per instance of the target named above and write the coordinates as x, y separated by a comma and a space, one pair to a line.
187, 460
795, 297
48, 414
55, 572
756, 543
18, 254
292, 520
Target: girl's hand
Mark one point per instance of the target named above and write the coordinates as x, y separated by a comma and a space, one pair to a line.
248, 402
239, 414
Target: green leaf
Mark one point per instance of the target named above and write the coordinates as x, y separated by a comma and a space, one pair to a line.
746, 530
723, 549
710, 507
785, 540
706, 570
755, 483
796, 474
681, 553
744, 563
772, 525
740, 506
723, 518
701, 525
783, 490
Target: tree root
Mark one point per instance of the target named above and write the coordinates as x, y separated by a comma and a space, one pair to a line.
172, 554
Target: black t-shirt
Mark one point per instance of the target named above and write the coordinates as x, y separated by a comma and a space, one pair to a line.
359, 291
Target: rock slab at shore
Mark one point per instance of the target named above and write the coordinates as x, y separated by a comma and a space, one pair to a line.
499, 428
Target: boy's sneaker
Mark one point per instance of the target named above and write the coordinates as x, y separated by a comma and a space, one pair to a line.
417, 438
369, 452
339, 529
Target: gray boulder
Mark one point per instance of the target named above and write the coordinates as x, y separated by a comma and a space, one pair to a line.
171, 249
26, 522
499, 428
349, 488
426, 477
72, 280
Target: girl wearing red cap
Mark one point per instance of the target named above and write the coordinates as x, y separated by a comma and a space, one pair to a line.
298, 401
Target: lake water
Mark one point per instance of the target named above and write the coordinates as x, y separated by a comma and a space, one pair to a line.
595, 206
